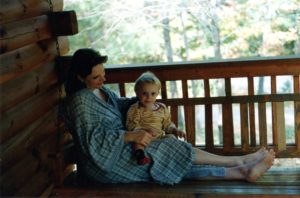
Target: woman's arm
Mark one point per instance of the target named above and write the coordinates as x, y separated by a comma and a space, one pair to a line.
138, 136
99, 131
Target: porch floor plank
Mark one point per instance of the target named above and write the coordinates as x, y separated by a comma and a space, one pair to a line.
274, 183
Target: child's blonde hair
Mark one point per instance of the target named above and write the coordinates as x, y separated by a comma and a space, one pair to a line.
146, 77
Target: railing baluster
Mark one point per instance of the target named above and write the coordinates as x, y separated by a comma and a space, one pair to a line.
297, 113
262, 117
228, 141
280, 125
209, 138
251, 112
244, 126
184, 89
174, 114
189, 112
122, 89
163, 90
274, 113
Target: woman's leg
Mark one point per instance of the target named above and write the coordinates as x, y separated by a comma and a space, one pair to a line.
203, 157
251, 171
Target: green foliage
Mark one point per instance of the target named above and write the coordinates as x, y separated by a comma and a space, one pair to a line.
254, 42
131, 31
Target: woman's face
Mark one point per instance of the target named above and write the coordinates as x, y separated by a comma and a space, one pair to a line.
96, 79
147, 94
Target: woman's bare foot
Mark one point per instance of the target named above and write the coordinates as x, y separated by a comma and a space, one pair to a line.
259, 168
252, 157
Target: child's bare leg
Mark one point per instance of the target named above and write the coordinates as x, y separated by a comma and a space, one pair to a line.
251, 172
203, 157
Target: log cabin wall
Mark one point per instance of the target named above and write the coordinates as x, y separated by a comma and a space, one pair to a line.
33, 33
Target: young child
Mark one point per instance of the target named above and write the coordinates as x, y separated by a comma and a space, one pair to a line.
150, 115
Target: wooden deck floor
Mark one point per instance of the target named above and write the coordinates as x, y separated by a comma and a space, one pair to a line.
275, 183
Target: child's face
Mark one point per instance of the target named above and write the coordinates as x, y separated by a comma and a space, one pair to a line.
147, 94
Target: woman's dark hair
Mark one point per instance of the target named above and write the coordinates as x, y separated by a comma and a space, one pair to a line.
82, 64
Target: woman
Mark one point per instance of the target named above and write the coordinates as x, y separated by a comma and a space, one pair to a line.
96, 115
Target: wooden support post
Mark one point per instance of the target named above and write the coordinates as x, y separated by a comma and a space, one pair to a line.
62, 66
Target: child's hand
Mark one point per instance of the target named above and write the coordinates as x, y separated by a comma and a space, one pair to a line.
178, 133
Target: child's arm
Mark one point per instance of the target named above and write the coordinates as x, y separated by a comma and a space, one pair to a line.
170, 127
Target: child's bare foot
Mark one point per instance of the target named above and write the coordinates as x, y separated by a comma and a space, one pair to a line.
252, 157
262, 165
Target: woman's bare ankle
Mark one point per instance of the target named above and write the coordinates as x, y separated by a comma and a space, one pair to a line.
260, 167
253, 157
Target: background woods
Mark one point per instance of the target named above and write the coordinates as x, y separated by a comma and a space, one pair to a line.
145, 31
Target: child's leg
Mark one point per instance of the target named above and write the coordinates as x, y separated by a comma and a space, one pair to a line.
140, 155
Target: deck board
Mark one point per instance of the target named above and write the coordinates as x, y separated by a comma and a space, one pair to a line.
274, 183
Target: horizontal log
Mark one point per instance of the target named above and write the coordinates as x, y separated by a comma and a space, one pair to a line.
42, 147
17, 62
12, 10
24, 32
18, 175
28, 139
27, 85
35, 185
63, 23
20, 116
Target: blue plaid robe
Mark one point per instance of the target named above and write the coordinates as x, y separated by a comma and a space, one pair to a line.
98, 128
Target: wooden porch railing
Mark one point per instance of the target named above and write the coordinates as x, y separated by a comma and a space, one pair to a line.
249, 115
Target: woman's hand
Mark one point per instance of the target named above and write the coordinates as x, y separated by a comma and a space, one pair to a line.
139, 136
